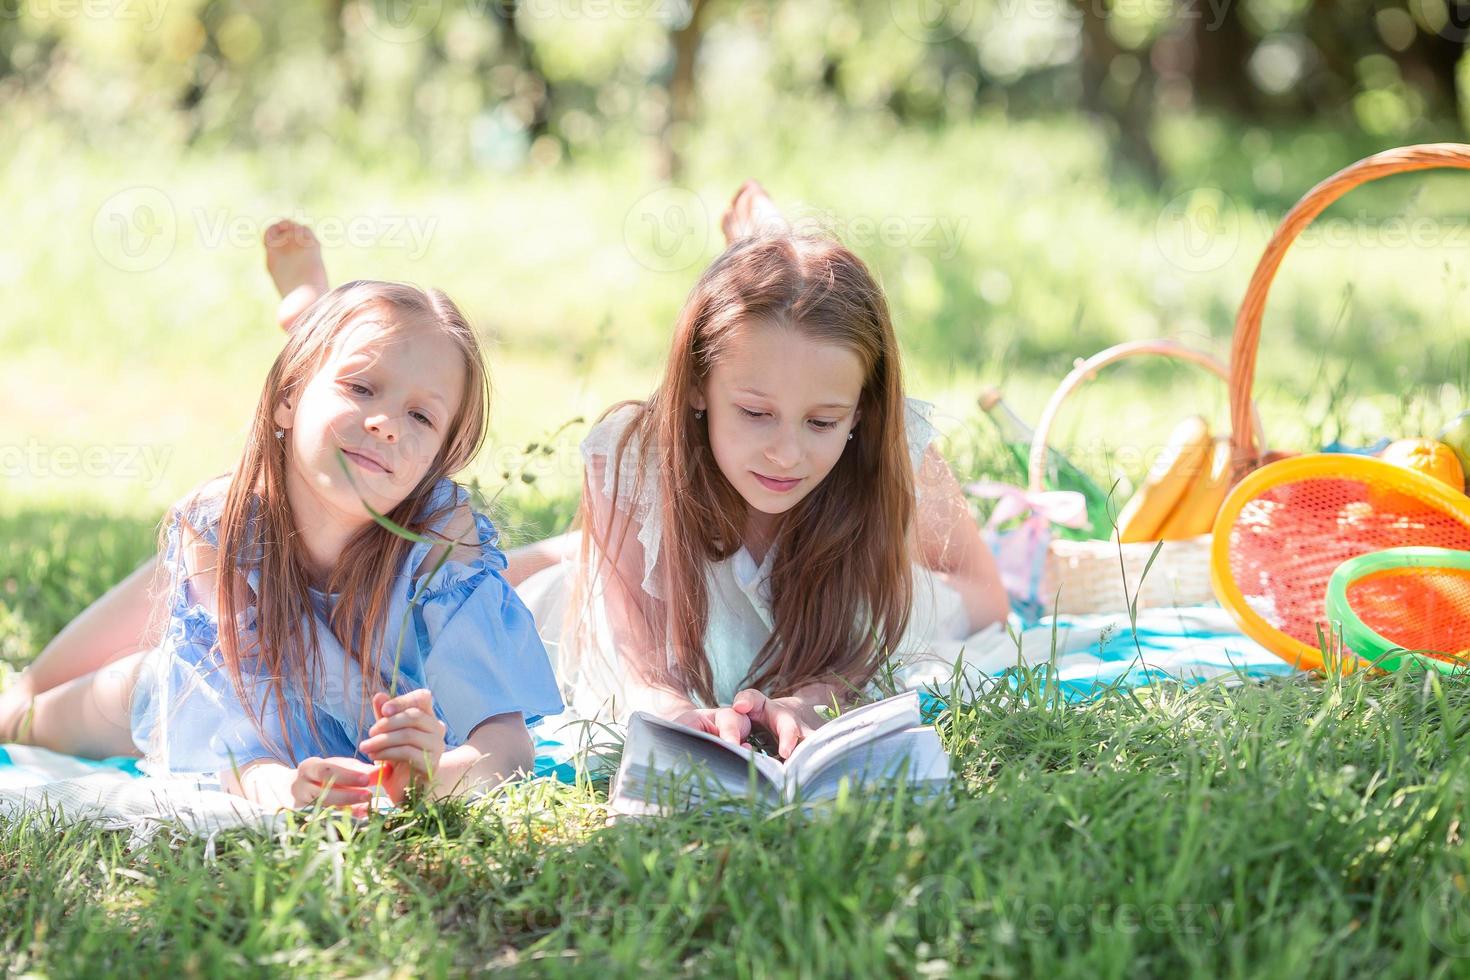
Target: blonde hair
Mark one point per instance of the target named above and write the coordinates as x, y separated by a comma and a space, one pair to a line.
257, 530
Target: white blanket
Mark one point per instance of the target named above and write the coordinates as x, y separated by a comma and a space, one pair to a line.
36, 781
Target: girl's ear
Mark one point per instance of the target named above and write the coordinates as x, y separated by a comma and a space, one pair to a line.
284, 414
697, 399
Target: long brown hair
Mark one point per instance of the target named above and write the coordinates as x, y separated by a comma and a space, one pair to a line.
257, 530
841, 580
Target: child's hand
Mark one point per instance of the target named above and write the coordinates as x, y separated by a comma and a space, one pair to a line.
333, 782
789, 719
408, 735
725, 723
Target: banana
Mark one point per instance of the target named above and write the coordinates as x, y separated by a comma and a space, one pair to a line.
1186, 454
1195, 513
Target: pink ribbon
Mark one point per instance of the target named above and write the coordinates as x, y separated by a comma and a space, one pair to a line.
1065, 507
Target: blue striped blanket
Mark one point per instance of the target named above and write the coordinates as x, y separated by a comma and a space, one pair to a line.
1092, 654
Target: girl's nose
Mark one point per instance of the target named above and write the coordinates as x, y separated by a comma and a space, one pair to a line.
784, 451
383, 426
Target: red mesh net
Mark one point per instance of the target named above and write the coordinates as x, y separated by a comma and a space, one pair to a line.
1416, 608
1289, 539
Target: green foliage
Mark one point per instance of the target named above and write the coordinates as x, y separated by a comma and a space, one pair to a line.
1310, 826
460, 85
1306, 826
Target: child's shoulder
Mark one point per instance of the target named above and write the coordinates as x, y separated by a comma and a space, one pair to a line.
450, 513
919, 429
617, 463
193, 536
605, 435
197, 513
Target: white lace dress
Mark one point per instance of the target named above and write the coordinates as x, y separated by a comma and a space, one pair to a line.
591, 677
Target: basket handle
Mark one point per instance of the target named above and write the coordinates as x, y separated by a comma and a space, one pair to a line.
1246, 445
1087, 370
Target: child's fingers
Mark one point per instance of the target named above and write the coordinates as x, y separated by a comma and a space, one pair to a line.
410, 736
343, 795
340, 772
749, 702
421, 699
412, 718
788, 734
379, 699
733, 726
411, 754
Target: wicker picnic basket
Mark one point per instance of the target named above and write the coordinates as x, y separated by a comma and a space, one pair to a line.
1089, 576
1084, 576
1249, 448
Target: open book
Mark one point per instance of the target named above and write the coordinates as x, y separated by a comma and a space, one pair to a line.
666, 764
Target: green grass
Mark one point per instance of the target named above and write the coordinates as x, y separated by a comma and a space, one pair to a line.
1310, 826
1303, 827
1300, 828
1049, 258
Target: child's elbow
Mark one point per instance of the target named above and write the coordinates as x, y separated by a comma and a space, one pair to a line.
520, 759
1000, 608
989, 604
505, 742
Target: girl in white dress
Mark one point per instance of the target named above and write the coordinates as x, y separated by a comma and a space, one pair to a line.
757, 539
771, 528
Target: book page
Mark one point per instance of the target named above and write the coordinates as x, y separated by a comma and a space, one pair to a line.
769, 767
660, 755
845, 732
916, 752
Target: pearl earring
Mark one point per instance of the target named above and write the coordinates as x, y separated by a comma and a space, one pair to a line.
699, 413
281, 434
849, 437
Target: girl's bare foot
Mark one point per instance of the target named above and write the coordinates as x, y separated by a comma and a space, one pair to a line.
293, 256
752, 212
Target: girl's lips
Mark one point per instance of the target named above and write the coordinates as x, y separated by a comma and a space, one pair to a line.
363, 461
776, 486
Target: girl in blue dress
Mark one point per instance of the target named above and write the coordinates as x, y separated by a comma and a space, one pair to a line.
350, 645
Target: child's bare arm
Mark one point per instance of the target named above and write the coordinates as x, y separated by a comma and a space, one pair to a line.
633, 616
950, 544
118, 624
528, 559
497, 751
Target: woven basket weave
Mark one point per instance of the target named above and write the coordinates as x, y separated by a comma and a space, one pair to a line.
1089, 576
1249, 448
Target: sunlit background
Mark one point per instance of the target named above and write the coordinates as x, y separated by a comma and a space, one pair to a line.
1033, 180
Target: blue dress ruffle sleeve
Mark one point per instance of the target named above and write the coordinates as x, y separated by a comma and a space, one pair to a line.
464, 635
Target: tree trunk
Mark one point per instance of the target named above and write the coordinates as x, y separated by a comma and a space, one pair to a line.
1129, 116
682, 94
523, 55
1222, 47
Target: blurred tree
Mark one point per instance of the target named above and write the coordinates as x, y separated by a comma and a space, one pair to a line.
684, 40
1221, 45
509, 83
533, 88
1118, 87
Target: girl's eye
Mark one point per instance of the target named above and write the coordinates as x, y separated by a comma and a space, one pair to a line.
822, 425
749, 414
423, 419
357, 389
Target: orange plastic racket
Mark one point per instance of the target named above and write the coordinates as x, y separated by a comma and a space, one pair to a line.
1287, 526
